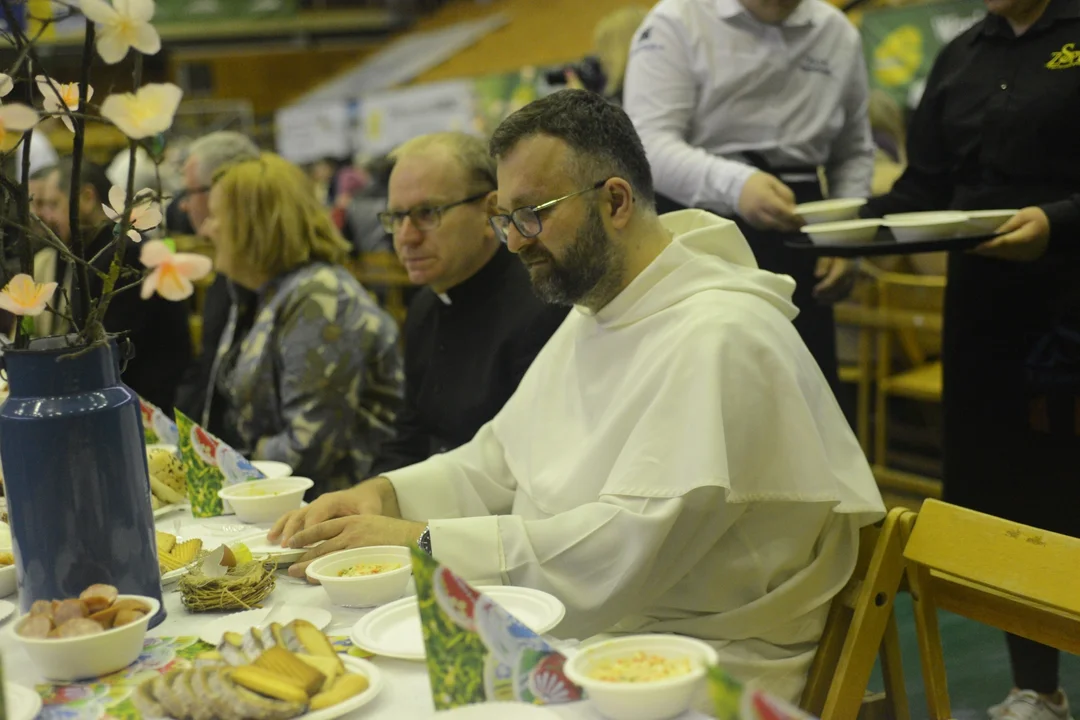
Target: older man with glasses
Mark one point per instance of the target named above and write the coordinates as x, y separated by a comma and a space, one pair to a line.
474, 329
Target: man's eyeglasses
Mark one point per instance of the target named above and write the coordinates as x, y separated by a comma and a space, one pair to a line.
527, 219
424, 217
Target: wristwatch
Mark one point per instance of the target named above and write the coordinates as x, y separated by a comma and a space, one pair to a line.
424, 543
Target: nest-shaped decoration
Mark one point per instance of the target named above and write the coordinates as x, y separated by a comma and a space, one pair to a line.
241, 588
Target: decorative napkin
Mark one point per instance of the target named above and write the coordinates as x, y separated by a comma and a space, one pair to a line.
477, 652
210, 465
157, 426
734, 701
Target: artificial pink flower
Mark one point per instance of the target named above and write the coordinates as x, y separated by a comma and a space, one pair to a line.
172, 272
23, 296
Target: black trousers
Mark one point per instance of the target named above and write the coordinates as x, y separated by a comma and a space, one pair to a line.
815, 322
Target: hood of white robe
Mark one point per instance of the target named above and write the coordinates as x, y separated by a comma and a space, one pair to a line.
707, 252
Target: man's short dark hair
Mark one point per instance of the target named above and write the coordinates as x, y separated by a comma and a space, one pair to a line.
598, 132
89, 174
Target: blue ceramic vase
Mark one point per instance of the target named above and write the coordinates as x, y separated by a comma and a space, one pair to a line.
74, 462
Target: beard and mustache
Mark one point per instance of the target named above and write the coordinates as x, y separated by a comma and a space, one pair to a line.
589, 272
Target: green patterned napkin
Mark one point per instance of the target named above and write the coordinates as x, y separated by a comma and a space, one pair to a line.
210, 466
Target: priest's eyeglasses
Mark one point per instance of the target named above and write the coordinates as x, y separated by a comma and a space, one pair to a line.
424, 217
527, 219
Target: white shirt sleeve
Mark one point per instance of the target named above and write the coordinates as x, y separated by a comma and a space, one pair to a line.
660, 97
850, 168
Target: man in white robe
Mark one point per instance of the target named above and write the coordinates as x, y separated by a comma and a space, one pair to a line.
674, 460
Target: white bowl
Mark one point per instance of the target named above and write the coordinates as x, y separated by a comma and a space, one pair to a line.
843, 232
261, 501
7, 580
367, 591
914, 227
90, 656
986, 222
824, 211
643, 701
272, 468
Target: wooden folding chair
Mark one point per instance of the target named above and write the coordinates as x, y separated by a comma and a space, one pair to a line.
1013, 577
861, 624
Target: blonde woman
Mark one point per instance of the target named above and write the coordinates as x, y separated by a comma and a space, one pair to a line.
317, 380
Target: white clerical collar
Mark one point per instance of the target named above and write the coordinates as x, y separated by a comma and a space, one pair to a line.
444, 297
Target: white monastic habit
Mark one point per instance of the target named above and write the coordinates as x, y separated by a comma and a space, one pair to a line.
673, 463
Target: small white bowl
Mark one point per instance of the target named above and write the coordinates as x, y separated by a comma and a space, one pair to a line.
843, 232
262, 501
367, 591
7, 580
825, 211
914, 227
986, 222
643, 701
273, 469
90, 656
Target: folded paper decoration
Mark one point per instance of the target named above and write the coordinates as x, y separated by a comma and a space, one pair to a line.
478, 652
210, 465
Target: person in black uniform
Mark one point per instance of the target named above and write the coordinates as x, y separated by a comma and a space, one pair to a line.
475, 328
992, 132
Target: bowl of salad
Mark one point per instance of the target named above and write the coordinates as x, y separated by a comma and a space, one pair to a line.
363, 577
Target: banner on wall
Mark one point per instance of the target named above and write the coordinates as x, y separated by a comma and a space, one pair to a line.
378, 122
306, 133
901, 43
390, 118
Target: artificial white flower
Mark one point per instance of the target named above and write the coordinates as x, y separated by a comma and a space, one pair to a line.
146, 112
145, 213
6, 84
67, 100
123, 25
23, 296
16, 118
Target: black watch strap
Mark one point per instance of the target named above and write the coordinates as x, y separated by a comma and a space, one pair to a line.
425, 540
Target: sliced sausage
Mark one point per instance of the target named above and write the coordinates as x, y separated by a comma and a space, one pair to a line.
99, 597
69, 610
36, 626
77, 627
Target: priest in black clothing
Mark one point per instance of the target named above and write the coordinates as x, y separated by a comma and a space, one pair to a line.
157, 328
474, 329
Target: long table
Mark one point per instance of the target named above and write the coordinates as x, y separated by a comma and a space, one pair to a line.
406, 694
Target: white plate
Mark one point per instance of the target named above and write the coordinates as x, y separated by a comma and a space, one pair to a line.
241, 622
375, 686
500, 711
823, 211
171, 508
842, 232
393, 630
261, 547
21, 703
272, 468
987, 221
6, 608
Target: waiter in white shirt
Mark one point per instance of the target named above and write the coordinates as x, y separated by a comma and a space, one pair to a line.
739, 102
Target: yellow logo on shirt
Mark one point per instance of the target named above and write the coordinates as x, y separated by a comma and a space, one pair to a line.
1066, 57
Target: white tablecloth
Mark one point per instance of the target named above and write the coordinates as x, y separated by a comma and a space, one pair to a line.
406, 694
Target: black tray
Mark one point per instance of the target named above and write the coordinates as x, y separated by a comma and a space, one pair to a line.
886, 244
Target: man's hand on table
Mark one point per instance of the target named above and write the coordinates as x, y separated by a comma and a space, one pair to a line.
352, 532
361, 516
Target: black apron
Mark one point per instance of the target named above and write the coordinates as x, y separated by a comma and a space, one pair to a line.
814, 322
1010, 431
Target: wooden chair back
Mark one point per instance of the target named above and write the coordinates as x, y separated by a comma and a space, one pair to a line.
861, 625
1014, 577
